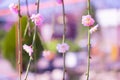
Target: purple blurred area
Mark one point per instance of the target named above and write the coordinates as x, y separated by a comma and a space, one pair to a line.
105, 51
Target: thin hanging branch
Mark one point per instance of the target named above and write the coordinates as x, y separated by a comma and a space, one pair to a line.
63, 39
28, 20
27, 7
19, 42
27, 26
88, 64
33, 42
35, 32
38, 2
88, 6
35, 28
28, 67
89, 45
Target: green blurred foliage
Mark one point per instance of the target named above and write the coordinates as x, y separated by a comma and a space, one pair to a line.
9, 45
2, 34
73, 46
53, 43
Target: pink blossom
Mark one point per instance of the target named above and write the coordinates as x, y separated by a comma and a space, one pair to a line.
62, 48
87, 20
59, 1
28, 49
37, 19
93, 29
13, 7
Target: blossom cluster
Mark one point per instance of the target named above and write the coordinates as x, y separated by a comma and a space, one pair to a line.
14, 8
62, 48
89, 22
28, 49
37, 19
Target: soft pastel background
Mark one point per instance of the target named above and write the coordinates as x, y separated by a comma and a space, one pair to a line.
105, 52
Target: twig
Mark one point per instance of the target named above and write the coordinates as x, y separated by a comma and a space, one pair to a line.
19, 41
33, 42
35, 28
89, 45
63, 39
28, 20
28, 67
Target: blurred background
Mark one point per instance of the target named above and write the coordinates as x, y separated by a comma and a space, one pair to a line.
105, 51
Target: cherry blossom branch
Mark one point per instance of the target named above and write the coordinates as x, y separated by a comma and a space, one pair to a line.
63, 40
89, 57
88, 6
88, 21
28, 14
89, 45
19, 42
27, 26
29, 50
35, 28
28, 20
28, 67
63, 47
33, 42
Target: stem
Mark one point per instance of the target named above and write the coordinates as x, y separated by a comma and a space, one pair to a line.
19, 41
28, 21
89, 45
33, 42
28, 67
88, 64
38, 1
26, 28
28, 14
63, 8
35, 29
88, 6
34, 36
63, 39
